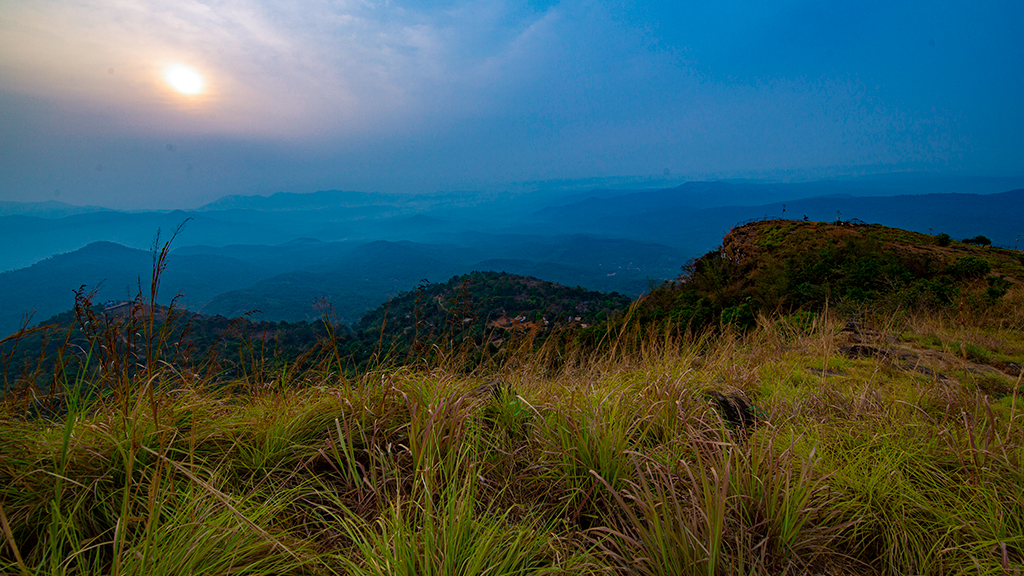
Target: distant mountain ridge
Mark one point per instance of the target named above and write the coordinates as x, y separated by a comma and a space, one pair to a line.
288, 280
48, 209
281, 253
29, 239
669, 216
293, 201
960, 215
47, 288
666, 218
286, 201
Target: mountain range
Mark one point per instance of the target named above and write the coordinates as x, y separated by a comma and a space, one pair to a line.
282, 254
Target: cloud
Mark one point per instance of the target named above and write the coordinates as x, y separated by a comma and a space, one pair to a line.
275, 69
417, 95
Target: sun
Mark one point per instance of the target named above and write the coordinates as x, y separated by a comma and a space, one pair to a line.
184, 79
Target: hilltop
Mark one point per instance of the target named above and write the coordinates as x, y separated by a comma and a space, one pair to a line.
785, 266
485, 309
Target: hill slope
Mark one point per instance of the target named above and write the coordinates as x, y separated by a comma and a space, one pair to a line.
484, 307
793, 265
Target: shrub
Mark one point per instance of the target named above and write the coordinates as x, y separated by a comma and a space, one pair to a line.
741, 315
970, 267
979, 240
997, 287
943, 239
926, 292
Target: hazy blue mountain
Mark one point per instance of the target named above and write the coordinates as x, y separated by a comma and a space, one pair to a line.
307, 254
688, 195
48, 209
357, 282
664, 216
598, 255
702, 195
285, 281
28, 239
47, 288
661, 218
289, 201
282, 253
909, 183
996, 216
362, 278
567, 275
292, 201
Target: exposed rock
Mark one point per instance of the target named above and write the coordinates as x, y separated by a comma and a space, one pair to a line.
924, 370
983, 369
1011, 368
734, 409
859, 334
865, 351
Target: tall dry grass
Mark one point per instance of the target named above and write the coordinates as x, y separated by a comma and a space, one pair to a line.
581, 462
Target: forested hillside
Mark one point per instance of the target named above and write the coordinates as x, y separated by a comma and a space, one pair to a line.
478, 314
485, 308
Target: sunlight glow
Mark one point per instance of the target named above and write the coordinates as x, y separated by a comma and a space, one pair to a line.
184, 79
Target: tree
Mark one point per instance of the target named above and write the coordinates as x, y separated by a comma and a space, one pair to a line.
978, 240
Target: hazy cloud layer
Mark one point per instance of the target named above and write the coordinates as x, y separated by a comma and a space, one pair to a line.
416, 96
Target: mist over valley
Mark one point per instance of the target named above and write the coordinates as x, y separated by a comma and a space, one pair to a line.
278, 256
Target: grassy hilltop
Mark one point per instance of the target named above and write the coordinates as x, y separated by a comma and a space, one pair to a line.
884, 433
784, 266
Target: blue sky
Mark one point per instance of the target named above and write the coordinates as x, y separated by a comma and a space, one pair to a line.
419, 96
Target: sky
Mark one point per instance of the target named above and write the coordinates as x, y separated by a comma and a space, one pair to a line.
421, 96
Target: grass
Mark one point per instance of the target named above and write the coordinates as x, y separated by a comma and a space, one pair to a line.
584, 464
